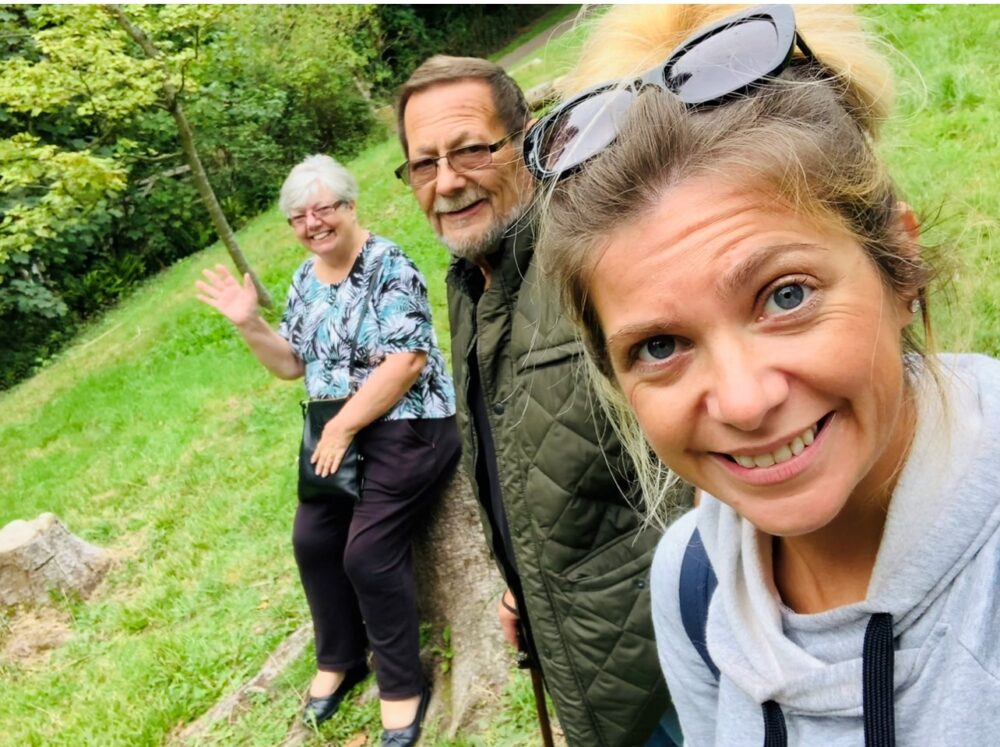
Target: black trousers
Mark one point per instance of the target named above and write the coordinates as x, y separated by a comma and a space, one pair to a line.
355, 561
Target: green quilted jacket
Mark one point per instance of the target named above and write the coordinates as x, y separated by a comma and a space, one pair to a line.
582, 560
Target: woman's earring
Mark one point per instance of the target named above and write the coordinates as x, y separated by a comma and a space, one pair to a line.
915, 305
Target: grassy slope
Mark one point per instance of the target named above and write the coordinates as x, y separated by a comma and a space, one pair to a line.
157, 436
943, 148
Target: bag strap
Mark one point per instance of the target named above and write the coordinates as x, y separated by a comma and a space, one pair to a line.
361, 318
698, 582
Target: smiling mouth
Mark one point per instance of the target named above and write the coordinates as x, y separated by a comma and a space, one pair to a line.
464, 209
782, 454
321, 235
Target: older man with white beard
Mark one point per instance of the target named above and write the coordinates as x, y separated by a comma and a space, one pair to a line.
553, 485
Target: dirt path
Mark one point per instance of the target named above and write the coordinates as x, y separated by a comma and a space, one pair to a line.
535, 43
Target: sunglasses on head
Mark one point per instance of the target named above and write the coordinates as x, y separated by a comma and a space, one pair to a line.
720, 62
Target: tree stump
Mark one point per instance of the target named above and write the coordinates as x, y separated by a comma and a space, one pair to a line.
39, 556
458, 588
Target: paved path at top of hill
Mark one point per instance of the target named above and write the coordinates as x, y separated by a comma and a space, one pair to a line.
536, 42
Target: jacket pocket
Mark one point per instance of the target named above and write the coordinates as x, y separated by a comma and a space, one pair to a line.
625, 557
547, 356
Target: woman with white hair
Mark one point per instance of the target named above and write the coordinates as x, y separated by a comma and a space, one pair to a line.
357, 325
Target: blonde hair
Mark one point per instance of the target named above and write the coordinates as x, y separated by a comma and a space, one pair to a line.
806, 138
631, 39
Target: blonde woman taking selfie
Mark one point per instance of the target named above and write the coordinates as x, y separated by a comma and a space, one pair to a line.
748, 282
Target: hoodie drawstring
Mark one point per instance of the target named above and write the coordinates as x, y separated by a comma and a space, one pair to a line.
876, 665
775, 734
877, 658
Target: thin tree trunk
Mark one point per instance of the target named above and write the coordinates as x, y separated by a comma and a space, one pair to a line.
186, 135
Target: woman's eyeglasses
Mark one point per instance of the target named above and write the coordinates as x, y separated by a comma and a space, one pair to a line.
722, 61
320, 211
467, 158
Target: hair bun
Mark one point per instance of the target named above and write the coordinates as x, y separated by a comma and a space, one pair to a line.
630, 39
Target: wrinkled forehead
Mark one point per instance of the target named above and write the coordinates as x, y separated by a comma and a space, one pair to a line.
448, 115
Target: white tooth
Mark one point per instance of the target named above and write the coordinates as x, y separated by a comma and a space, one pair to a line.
807, 437
798, 445
782, 455
744, 461
764, 460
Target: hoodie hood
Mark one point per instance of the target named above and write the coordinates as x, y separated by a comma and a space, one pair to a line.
944, 509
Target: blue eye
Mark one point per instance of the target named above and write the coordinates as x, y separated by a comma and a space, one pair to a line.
656, 349
787, 297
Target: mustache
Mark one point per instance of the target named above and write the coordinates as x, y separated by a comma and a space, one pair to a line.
451, 203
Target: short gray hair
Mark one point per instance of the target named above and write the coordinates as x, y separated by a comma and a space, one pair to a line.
313, 171
508, 99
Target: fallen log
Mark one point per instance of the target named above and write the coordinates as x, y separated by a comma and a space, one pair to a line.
230, 707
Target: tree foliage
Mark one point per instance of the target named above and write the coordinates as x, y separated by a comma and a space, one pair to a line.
95, 193
48, 189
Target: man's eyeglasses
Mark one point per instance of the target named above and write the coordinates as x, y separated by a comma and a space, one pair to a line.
467, 158
720, 62
320, 211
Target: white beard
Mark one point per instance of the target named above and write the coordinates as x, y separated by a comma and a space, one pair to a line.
476, 248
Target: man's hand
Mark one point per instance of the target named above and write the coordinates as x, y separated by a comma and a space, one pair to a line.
507, 612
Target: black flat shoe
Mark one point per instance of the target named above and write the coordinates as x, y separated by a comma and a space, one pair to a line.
318, 710
408, 735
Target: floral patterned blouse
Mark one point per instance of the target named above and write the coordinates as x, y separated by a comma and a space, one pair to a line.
320, 320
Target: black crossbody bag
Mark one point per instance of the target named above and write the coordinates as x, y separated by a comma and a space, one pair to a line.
345, 483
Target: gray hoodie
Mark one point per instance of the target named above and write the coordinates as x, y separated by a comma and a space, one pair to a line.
936, 573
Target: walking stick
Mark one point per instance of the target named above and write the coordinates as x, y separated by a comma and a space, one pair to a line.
524, 661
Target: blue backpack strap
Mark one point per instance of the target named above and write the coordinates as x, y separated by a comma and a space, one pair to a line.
697, 585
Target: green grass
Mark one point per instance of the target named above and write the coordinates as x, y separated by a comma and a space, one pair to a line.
156, 435
943, 148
